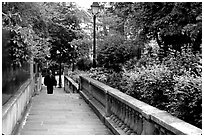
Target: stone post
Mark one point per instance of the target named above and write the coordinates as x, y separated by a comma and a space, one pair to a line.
108, 105
65, 70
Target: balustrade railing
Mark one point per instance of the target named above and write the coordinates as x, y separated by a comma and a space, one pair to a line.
131, 116
70, 86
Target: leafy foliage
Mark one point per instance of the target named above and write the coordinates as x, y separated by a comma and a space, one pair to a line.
172, 85
184, 62
82, 47
62, 27
100, 74
186, 100
171, 24
114, 51
111, 52
167, 74
20, 20
150, 84
84, 64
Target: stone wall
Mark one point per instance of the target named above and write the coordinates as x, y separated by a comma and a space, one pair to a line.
14, 109
70, 86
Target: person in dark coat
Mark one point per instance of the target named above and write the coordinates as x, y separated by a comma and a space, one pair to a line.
50, 81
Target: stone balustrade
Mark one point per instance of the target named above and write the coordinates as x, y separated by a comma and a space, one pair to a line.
14, 109
38, 83
70, 86
126, 115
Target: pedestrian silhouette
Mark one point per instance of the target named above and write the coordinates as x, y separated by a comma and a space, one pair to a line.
50, 81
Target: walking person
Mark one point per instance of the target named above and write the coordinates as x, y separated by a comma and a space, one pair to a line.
50, 81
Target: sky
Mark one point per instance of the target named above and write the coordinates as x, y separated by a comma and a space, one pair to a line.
84, 3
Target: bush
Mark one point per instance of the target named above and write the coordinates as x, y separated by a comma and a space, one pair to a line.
172, 85
84, 64
107, 76
109, 53
114, 51
180, 95
75, 75
115, 80
151, 84
180, 63
186, 100
100, 74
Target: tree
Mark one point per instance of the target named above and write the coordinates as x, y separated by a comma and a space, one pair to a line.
82, 47
114, 51
167, 22
176, 77
172, 24
63, 27
22, 21
23, 36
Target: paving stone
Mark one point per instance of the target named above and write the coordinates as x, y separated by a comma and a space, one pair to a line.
61, 114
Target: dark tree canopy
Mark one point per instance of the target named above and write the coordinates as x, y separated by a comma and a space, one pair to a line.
172, 24
63, 28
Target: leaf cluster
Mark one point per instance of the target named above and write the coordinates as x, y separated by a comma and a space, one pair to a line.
63, 28
114, 51
26, 30
173, 24
173, 85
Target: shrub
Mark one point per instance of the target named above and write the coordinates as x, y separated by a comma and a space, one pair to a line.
180, 63
150, 84
173, 85
99, 73
75, 74
84, 64
114, 51
115, 80
107, 76
158, 86
109, 53
186, 100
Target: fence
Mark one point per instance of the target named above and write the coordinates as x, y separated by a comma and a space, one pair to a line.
13, 79
14, 109
126, 115
70, 86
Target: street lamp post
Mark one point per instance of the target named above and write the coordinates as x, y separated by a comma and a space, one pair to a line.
60, 79
95, 8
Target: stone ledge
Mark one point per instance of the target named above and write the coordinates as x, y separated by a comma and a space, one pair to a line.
12, 100
96, 83
13, 110
101, 114
19, 123
162, 118
73, 82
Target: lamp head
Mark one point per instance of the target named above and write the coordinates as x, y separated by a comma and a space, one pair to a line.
95, 8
